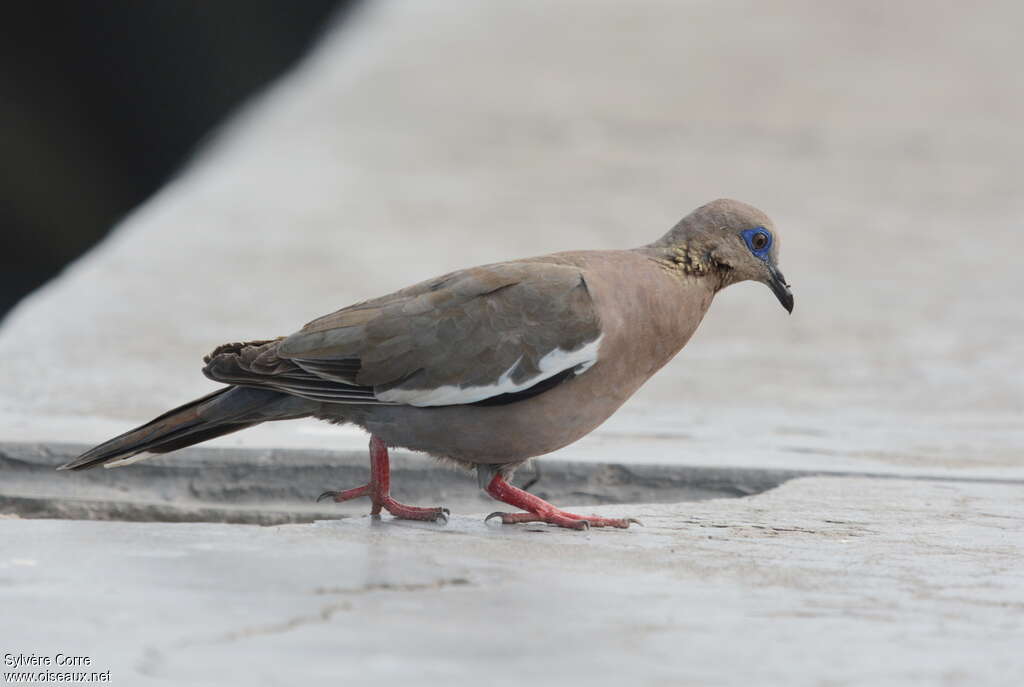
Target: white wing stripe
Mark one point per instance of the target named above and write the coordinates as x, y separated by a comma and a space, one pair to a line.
551, 364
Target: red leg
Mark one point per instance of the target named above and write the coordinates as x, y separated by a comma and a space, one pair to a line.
539, 510
379, 490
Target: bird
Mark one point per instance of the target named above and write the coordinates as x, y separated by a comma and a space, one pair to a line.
485, 368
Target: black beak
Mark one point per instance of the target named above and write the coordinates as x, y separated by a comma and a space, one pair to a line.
780, 288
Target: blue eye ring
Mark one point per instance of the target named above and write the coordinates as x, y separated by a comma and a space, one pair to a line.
758, 240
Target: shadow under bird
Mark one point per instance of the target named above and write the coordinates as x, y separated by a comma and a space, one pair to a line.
486, 367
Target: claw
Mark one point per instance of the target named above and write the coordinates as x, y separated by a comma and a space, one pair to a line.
634, 521
326, 495
495, 514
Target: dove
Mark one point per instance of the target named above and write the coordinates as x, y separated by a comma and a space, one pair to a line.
485, 368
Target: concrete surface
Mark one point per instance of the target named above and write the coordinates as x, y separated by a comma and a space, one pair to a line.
823, 581
426, 136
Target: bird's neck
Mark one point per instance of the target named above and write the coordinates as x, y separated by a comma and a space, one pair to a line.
689, 261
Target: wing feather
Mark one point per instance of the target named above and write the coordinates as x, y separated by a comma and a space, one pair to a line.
482, 333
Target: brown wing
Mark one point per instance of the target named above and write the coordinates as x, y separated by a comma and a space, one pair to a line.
461, 338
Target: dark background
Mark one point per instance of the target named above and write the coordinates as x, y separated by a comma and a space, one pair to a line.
103, 101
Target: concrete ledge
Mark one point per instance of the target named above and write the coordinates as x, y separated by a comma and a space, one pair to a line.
364, 171
276, 486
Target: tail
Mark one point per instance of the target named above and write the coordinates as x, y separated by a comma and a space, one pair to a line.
222, 412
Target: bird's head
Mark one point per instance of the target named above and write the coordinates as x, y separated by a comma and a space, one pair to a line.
728, 241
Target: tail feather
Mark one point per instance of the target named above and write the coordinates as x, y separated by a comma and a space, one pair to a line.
199, 436
222, 412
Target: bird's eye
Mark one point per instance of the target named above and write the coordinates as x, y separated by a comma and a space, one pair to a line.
759, 240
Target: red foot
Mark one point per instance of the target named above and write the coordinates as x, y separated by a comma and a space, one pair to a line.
379, 490
540, 510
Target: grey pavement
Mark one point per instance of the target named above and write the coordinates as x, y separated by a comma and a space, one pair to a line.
823, 581
885, 142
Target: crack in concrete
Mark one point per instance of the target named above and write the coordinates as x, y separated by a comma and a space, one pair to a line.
387, 586
851, 532
324, 614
